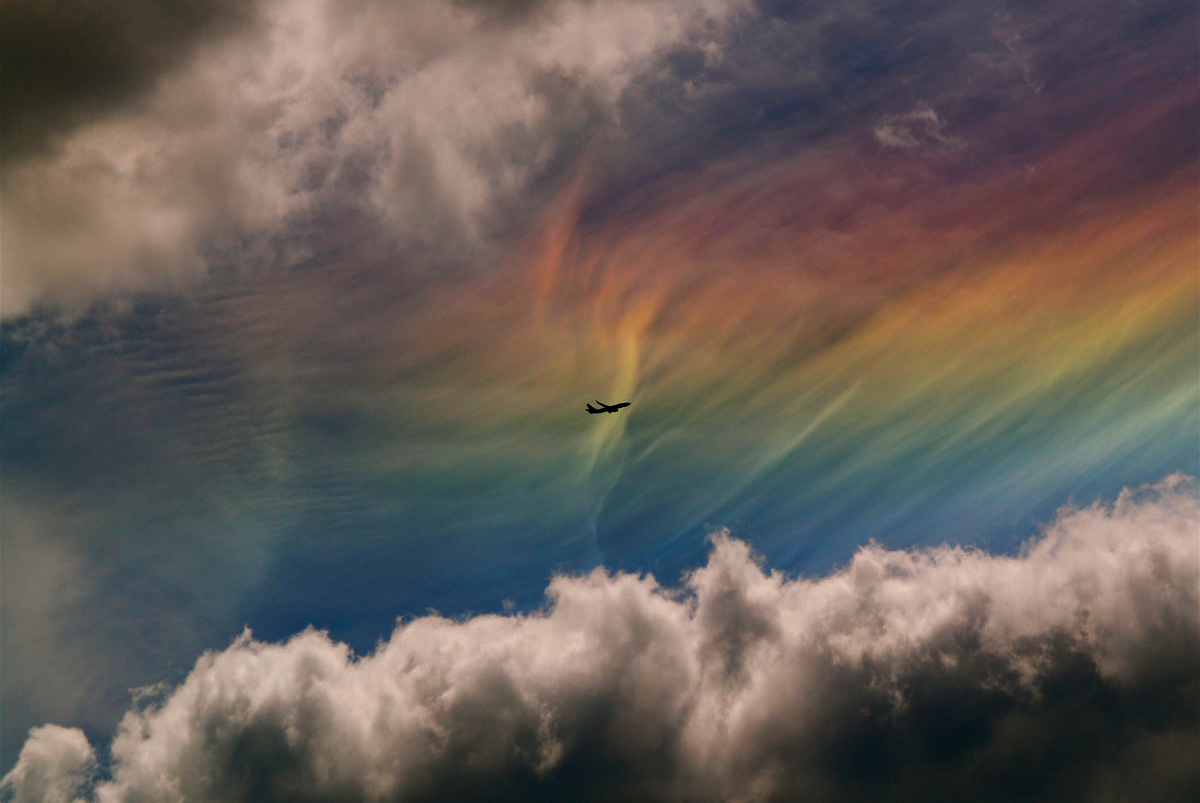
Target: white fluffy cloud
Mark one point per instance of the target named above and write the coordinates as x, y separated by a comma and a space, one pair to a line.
1060, 673
428, 116
54, 766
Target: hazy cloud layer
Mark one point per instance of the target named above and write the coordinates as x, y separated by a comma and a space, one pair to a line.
1067, 672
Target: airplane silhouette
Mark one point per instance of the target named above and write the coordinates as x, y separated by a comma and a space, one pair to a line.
606, 408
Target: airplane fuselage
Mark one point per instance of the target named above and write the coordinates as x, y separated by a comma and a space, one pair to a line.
605, 408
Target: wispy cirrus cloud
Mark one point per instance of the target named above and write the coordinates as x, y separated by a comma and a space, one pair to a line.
827, 339
219, 138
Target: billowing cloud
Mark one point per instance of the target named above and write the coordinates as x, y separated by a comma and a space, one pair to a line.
54, 767
1068, 671
422, 117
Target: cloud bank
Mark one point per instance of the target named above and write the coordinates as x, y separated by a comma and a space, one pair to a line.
1069, 671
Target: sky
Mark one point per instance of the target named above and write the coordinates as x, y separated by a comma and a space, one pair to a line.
301, 303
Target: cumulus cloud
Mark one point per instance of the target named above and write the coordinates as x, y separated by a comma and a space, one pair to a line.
429, 117
54, 767
1068, 671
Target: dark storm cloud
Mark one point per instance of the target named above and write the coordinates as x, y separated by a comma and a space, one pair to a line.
64, 63
1069, 672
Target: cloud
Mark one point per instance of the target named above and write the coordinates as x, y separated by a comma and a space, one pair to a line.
1069, 671
429, 118
54, 766
42, 578
909, 129
153, 146
63, 69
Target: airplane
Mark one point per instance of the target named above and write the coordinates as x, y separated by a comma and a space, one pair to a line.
606, 408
